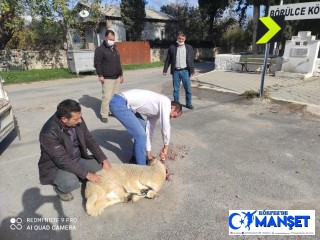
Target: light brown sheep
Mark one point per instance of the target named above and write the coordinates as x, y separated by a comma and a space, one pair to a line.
124, 183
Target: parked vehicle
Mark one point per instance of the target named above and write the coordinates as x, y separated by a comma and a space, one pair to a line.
7, 124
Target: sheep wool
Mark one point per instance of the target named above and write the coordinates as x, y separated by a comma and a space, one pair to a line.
124, 183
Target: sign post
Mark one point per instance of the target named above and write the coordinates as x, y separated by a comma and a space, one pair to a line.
269, 30
264, 70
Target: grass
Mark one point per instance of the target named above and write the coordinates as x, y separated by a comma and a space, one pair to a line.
35, 75
250, 94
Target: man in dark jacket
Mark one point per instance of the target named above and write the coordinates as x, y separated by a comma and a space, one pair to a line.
64, 140
180, 57
109, 71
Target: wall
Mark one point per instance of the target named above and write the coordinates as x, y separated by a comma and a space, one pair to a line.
16, 59
130, 53
227, 62
152, 31
316, 72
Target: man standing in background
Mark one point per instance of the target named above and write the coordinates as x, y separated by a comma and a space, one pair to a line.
109, 71
180, 57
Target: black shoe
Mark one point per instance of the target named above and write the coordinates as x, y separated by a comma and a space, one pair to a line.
133, 160
63, 196
111, 115
190, 107
104, 120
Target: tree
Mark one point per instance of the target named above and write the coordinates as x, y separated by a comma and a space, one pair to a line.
48, 12
186, 19
65, 14
233, 38
179, 12
210, 11
133, 15
242, 9
10, 19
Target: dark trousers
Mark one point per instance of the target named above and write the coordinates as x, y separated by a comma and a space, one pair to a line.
66, 182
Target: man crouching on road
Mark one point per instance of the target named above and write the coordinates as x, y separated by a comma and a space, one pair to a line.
64, 140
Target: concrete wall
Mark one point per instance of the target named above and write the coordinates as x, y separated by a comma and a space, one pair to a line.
227, 62
316, 72
22, 60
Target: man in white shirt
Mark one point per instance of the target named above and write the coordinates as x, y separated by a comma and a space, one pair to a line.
128, 107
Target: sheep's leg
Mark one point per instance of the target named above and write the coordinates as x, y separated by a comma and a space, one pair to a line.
142, 192
132, 191
137, 197
149, 192
146, 186
95, 205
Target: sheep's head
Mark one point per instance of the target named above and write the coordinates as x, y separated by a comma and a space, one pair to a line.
154, 161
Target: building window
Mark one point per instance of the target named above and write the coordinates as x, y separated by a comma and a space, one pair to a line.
163, 35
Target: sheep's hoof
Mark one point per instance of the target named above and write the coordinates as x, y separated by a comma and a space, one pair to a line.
151, 195
144, 192
128, 198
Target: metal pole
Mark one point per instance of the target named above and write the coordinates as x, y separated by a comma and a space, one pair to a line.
266, 56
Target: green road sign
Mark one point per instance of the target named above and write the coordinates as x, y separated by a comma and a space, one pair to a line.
270, 29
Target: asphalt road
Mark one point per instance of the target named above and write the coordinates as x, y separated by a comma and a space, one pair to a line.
229, 153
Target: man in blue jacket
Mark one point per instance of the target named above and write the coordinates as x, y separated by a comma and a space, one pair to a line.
64, 141
180, 57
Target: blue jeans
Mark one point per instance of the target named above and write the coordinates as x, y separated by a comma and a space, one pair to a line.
182, 75
135, 125
66, 181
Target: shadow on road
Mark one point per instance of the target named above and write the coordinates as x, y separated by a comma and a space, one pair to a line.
30, 225
204, 67
91, 102
117, 141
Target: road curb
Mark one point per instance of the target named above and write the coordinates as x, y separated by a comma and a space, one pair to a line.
312, 108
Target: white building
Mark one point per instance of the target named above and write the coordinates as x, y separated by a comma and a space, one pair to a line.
154, 27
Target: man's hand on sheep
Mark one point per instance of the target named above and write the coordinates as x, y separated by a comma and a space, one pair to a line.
93, 178
106, 165
149, 156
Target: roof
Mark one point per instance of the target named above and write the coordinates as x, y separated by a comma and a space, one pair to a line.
114, 12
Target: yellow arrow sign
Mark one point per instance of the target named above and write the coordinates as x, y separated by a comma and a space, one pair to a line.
273, 29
